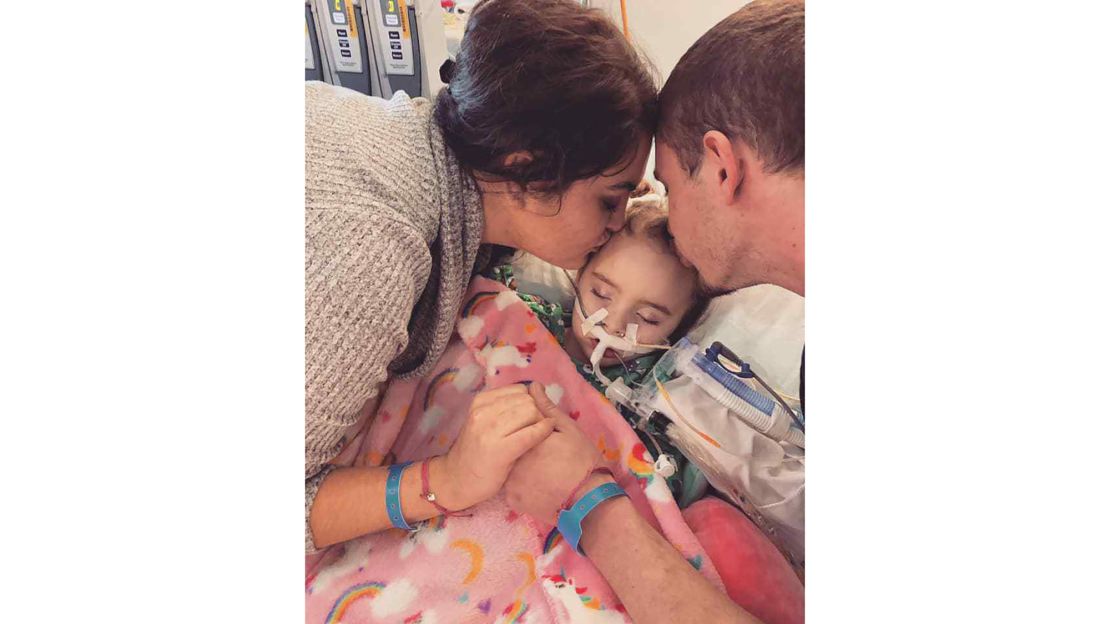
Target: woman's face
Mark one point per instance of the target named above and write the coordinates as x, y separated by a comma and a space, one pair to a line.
566, 230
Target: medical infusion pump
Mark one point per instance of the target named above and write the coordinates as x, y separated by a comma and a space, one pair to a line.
376, 47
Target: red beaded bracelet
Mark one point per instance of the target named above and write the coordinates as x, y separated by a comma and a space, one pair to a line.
572, 497
427, 494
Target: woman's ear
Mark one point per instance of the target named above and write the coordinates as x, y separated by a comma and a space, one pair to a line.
522, 157
722, 167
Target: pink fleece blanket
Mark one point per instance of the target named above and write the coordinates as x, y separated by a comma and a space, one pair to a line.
496, 565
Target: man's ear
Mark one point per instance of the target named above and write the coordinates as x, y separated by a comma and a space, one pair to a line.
723, 166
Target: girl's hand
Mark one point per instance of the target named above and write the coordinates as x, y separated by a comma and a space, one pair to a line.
545, 476
502, 425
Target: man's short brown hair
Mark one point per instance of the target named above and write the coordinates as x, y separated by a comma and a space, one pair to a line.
745, 78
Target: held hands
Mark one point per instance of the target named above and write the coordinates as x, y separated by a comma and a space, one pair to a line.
546, 475
517, 438
502, 425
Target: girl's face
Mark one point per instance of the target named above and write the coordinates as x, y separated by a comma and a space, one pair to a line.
637, 282
566, 230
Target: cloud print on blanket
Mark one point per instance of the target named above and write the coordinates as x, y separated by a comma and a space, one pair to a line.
494, 565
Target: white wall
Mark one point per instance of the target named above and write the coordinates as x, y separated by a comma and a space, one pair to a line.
665, 29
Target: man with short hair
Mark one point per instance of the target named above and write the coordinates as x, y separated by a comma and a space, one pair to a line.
730, 150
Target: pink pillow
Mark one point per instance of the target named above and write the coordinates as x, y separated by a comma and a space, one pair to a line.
756, 575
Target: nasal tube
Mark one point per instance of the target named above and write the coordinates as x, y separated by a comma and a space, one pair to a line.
605, 340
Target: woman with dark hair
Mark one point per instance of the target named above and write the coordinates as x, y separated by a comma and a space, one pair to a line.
535, 144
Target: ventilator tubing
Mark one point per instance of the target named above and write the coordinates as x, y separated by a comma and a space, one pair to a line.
626, 344
758, 411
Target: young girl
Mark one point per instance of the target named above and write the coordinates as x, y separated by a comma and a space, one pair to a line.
637, 278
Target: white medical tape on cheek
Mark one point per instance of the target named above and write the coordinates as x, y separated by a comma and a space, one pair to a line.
590, 328
631, 331
618, 343
595, 363
589, 323
627, 343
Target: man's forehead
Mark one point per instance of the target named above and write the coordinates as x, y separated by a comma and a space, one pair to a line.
664, 160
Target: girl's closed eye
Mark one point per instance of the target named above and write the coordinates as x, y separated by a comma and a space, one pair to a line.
648, 320
599, 295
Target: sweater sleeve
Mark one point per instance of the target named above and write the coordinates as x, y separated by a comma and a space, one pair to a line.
364, 272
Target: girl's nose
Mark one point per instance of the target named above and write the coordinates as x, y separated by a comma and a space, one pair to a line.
617, 322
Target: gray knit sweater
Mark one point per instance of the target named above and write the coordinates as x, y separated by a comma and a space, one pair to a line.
392, 230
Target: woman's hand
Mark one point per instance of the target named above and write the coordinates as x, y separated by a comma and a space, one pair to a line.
543, 478
502, 425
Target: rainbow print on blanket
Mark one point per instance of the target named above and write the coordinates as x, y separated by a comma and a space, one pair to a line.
352, 595
492, 564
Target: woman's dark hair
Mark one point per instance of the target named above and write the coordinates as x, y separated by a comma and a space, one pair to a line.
551, 78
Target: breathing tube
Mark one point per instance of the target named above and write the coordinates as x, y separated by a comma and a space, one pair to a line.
627, 345
593, 325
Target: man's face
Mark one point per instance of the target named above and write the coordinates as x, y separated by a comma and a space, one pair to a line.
704, 237
736, 235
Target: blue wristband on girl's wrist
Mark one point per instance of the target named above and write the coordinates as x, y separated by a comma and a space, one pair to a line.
570, 520
393, 496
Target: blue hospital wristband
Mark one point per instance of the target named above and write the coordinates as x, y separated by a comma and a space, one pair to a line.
570, 520
393, 496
